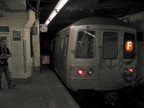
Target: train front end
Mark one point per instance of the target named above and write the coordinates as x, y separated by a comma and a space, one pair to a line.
101, 57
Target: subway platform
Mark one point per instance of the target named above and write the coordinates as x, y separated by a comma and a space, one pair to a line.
44, 91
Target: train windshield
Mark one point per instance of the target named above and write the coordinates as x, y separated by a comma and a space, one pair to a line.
110, 45
85, 44
129, 45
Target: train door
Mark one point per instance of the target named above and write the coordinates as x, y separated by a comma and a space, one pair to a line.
109, 69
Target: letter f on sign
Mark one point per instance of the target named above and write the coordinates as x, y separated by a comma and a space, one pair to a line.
129, 45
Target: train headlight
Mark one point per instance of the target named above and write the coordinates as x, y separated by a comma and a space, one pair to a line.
90, 71
128, 72
125, 71
81, 72
131, 70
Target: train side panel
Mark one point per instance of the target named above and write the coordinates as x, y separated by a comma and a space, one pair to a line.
60, 55
140, 53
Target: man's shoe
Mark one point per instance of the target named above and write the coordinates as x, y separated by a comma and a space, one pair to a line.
12, 86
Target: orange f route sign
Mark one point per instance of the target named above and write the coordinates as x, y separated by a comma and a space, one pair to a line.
129, 45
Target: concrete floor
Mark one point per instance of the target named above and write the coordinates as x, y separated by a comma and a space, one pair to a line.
45, 91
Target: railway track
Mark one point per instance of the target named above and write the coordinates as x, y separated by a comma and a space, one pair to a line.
97, 101
137, 103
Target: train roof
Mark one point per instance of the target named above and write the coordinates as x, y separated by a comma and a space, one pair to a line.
98, 21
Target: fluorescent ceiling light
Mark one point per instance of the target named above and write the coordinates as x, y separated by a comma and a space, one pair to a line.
55, 11
60, 5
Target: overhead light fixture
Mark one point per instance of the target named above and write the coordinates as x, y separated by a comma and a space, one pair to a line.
55, 11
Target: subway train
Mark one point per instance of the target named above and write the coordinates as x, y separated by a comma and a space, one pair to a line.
96, 53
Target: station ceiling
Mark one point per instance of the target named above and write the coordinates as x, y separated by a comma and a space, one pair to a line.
75, 9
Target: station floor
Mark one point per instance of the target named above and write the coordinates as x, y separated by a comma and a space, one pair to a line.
44, 91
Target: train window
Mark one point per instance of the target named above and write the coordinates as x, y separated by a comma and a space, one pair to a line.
62, 42
129, 45
85, 44
66, 44
110, 45
140, 36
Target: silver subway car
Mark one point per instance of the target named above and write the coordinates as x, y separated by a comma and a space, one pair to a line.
96, 53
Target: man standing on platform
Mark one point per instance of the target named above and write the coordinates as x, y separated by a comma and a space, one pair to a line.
4, 55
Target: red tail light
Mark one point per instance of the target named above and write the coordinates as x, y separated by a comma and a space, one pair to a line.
131, 70
81, 72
